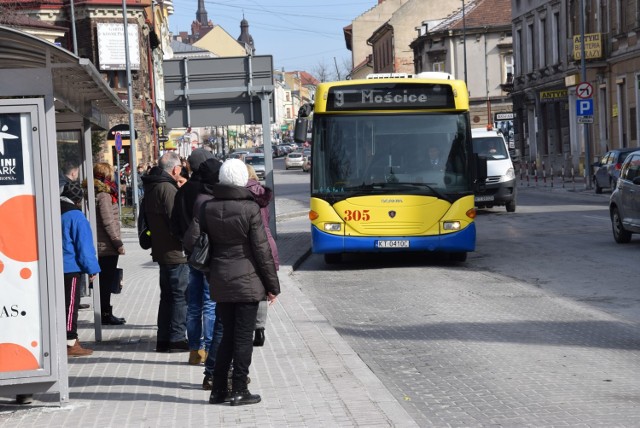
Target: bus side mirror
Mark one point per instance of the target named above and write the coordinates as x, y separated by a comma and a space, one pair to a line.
300, 130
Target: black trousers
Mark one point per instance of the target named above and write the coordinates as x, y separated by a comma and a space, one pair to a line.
108, 266
71, 302
239, 323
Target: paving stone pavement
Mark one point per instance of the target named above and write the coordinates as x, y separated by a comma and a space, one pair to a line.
306, 373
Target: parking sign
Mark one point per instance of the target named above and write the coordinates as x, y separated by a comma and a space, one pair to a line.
584, 107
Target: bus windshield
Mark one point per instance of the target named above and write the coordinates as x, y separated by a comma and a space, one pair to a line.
424, 154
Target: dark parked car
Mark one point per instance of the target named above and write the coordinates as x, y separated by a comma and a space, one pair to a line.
624, 204
608, 168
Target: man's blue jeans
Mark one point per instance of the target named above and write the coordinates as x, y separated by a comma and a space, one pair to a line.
200, 311
172, 312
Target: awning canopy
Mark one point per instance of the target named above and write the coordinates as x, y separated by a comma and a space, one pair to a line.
77, 85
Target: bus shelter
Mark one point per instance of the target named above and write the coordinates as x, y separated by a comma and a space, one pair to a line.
50, 101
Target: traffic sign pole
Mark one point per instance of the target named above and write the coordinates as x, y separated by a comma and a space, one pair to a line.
583, 75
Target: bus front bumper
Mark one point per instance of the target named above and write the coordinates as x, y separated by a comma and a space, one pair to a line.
461, 241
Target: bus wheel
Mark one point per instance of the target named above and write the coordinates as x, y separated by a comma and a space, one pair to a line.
459, 257
332, 258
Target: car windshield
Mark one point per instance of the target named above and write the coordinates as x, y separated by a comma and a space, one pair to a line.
491, 147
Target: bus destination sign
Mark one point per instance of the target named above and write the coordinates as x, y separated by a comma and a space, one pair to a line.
390, 96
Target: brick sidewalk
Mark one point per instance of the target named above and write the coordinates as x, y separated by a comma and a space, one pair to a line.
306, 373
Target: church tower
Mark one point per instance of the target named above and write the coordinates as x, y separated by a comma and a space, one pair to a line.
245, 38
201, 25
201, 14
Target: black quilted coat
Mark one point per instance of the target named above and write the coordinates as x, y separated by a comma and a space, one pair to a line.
241, 266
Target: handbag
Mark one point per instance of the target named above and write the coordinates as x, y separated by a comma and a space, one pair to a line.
144, 234
199, 257
116, 285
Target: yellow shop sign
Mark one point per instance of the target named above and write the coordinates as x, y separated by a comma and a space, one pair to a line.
549, 96
592, 46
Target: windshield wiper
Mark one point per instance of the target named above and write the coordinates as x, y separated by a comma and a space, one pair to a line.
434, 190
384, 186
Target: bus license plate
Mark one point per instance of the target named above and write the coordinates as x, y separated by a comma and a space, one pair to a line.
485, 198
393, 244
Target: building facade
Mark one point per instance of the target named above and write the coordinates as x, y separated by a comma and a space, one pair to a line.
555, 125
88, 36
475, 47
390, 43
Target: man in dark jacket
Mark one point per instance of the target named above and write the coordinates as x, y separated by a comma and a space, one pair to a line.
160, 188
241, 274
200, 308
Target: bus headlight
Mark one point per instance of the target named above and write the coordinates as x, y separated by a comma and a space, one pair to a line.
332, 227
451, 225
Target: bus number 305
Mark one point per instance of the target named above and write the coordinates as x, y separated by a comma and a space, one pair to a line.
357, 215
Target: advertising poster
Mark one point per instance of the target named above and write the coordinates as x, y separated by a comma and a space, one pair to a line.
20, 320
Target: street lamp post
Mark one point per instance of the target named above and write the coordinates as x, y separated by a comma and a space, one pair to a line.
464, 44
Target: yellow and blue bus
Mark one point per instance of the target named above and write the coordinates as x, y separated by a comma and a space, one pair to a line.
374, 187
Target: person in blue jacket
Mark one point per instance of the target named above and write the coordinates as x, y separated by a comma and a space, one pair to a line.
79, 257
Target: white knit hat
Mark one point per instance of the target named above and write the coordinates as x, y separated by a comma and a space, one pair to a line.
234, 171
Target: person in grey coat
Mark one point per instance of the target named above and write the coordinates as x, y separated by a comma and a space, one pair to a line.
242, 272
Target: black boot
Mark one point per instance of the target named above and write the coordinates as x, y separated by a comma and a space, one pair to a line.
258, 339
242, 398
109, 319
219, 391
219, 397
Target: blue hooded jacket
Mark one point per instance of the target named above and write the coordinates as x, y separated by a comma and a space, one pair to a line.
78, 252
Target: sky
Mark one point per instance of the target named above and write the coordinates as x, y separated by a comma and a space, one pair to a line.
299, 34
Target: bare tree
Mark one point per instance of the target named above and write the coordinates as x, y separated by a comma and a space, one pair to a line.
322, 72
339, 69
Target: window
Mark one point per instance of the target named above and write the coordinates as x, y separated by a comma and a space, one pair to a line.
555, 31
632, 168
530, 48
507, 67
117, 79
620, 15
438, 66
543, 43
520, 44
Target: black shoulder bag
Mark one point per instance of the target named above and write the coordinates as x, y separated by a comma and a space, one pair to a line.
144, 234
199, 257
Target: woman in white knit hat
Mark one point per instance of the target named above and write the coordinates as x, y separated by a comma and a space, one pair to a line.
241, 274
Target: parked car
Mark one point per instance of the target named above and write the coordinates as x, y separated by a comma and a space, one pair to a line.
607, 169
306, 166
238, 154
256, 160
624, 203
293, 160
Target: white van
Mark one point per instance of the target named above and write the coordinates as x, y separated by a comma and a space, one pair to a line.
500, 187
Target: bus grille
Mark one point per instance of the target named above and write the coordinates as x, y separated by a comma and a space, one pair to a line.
495, 179
407, 227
